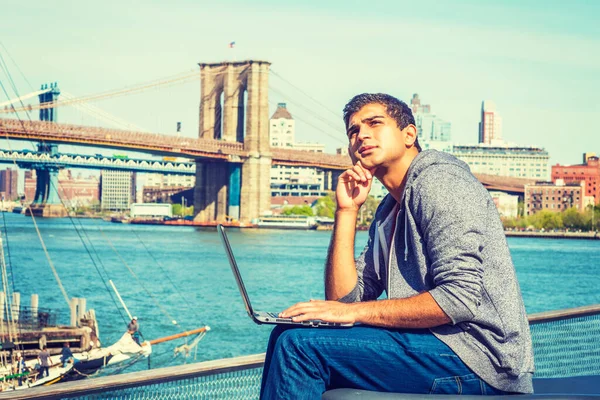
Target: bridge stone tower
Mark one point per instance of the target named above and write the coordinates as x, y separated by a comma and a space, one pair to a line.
46, 202
234, 107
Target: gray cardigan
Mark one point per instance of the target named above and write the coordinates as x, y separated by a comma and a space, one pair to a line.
449, 241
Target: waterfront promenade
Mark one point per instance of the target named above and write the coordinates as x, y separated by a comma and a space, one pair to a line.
554, 235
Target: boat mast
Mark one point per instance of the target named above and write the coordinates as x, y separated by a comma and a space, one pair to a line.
120, 299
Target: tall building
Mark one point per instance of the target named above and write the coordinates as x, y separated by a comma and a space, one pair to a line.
588, 172
73, 191
490, 127
117, 189
505, 160
433, 132
281, 127
9, 184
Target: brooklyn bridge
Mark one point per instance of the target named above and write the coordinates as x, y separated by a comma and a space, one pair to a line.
232, 153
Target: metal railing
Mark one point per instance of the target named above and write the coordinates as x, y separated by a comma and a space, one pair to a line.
27, 318
566, 343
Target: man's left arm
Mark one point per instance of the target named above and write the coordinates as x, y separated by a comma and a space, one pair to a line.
450, 210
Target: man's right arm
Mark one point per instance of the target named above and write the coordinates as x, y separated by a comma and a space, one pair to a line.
352, 191
340, 270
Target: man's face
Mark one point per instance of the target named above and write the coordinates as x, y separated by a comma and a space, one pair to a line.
374, 137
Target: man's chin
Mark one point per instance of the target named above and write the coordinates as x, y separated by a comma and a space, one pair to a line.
369, 163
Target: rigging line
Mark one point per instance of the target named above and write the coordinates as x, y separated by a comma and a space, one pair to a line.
78, 233
47, 254
12, 83
37, 229
7, 303
160, 266
319, 129
16, 65
103, 279
35, 222
12, 275
330, 123
74, 226
337, 115
163, 310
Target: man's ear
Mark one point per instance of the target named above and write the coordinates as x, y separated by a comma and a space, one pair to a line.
410, 135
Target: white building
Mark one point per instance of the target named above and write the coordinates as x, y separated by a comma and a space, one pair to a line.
297, 181
306, 146
281, 127
117, 189
151, 210
293, 180
506, 160
507, 204
162, 180
490, 126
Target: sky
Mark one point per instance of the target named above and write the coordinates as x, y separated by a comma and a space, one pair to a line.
538, 61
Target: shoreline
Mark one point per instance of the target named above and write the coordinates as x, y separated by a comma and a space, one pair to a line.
554, 235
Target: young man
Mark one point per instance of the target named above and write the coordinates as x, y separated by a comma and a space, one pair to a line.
133, 328
453, 319
66, 355
45, 362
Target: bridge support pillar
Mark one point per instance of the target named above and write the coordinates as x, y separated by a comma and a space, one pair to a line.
210, 193
244, 192
46, 202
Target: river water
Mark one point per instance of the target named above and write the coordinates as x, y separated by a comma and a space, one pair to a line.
167, 273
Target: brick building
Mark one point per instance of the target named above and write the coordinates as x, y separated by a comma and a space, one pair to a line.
557, 196
588, 172
8, 184
73, 191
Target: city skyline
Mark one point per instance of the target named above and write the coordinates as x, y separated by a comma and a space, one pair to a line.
534, 60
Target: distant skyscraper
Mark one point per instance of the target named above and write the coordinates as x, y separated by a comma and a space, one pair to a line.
281, 127
430, 128
490, 127
8, 184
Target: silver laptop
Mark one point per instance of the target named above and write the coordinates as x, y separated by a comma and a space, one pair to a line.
261, 317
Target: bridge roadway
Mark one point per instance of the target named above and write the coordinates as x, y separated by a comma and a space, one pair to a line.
164, 145
158, 144
32, 160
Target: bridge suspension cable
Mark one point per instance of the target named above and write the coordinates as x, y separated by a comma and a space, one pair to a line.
96, 112
179, 78
336, 114
24, 97
314, 119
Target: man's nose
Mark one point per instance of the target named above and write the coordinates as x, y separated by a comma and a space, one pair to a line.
364, 133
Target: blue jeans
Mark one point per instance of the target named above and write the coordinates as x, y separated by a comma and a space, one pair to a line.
302, 363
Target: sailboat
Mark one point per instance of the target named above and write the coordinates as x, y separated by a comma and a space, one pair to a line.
23, 331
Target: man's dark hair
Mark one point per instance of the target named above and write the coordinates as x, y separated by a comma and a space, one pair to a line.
395, 108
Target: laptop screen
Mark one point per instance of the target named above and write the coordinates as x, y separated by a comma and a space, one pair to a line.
235, 269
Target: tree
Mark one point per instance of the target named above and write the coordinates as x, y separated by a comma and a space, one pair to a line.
326, 207
573, 219
299, 210
546, 220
